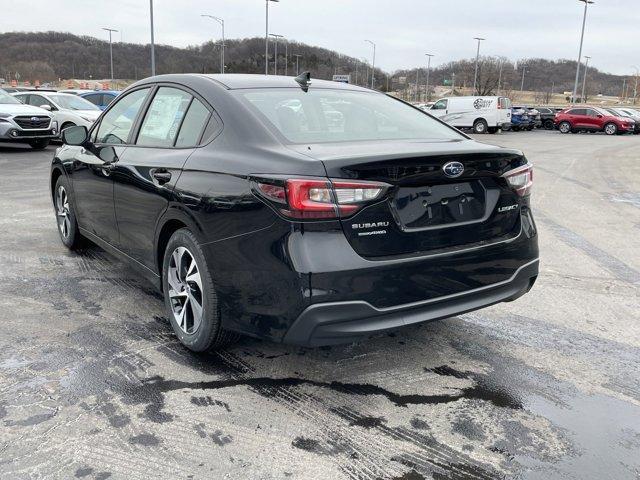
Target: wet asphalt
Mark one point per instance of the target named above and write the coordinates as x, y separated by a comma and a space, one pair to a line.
93, 384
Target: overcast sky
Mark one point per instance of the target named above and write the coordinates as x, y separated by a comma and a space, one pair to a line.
404, 30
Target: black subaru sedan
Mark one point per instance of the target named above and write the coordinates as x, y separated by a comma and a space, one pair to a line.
298, 210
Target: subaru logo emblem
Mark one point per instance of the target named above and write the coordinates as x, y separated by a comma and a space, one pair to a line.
34, 119
453, 169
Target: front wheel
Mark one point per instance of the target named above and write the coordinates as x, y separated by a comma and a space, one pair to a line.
564, 127
610, 129
549, 125
480, 127
190, 297
39, 144
65, 216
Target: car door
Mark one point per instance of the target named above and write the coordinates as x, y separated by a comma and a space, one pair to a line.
92, 182
147, 173
439, 109
593, 119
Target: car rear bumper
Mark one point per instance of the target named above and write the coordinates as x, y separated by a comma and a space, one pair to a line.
344, 322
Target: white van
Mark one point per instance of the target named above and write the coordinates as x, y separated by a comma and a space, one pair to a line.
483, 114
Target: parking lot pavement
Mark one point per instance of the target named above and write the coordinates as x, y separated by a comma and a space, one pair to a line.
94, 385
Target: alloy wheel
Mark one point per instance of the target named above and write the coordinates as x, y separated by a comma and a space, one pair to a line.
62, 210
185, 290
610, 129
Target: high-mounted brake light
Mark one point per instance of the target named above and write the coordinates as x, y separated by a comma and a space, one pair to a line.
307, 199
520, 179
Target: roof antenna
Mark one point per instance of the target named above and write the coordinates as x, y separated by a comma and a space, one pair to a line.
304, 80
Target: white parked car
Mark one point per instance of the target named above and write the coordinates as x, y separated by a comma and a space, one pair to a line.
68, 110
483, 114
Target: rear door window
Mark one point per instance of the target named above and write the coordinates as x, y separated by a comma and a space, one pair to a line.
193, 125
95, 98
164, 118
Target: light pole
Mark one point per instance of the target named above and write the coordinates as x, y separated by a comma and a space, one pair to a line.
373, 65
110, 30
524, 70
584, 81
584, 23
153, 51
475, 76
428, 72
221, 22
635, 89
297, 63
417, 95
275, 55
266, 39
500, 76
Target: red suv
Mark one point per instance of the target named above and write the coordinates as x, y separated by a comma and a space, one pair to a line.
592, 119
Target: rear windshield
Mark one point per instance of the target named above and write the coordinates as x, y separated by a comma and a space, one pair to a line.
324, 115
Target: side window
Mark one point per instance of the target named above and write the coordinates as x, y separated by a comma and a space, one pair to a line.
23, 99
37, 100
94, 98
440, 105
193, 125
163, 119
577, 111
118, 122
107, 99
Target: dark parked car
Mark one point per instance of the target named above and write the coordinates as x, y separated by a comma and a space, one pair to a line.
547, 117
101, 98
592, 119
311, 232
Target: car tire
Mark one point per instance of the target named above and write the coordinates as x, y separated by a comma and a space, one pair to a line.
65, 216
515, 129
39, 144
190, 297
480, 127
565, 127
549, 125
611, 129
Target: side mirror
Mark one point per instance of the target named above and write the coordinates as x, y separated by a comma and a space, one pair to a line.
75, 135
108, 155
46, 107
599, 116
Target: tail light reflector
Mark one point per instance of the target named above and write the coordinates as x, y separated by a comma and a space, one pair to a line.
520, 179
308, 199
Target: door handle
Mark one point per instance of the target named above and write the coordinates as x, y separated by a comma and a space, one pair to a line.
162, 176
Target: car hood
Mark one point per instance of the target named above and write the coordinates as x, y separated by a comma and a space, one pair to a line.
90, 114
21, 109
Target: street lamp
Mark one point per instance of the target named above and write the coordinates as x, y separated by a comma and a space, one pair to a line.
428, 72
110, 30
373, 65
524, 70
266, 39
584, 81
475, 76
275, 55
153, 51
221, 22
297, 63
635, 89
584, 23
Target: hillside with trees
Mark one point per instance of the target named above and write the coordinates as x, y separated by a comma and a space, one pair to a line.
50, 56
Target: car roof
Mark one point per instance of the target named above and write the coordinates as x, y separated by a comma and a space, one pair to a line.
233, 81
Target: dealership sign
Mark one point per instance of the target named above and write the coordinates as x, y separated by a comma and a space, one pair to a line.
342, 78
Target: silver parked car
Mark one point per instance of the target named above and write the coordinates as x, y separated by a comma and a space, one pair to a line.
25, 123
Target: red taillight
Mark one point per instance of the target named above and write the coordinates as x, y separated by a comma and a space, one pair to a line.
308, 199
520, 179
